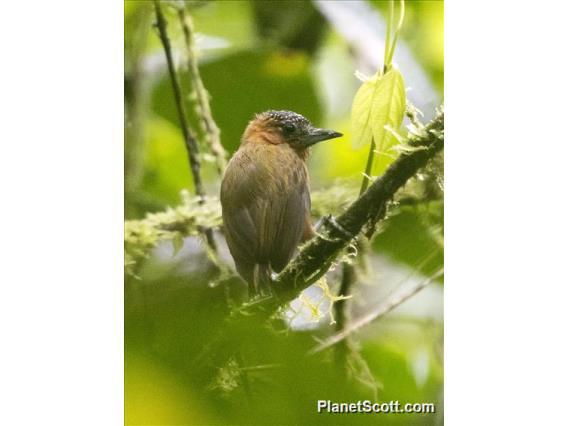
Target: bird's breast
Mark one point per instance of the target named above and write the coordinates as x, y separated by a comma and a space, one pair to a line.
263, 169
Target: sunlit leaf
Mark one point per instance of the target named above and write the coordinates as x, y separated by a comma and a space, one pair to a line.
379, 102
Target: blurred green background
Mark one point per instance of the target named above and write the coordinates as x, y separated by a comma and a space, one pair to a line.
184, 362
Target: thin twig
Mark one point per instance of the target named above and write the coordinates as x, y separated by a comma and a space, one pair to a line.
188, 135
349, 275
134, 102
376, 314
368, 167
348, 278
202, 107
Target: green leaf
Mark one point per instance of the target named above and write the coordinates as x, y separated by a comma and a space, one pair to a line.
379, 102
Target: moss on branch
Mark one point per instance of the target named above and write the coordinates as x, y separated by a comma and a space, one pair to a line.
189, 137
200, 95
195, 214
318, 254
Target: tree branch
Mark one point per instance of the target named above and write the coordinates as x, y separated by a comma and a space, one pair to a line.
334, 235
188, 135
195, 213
348, 278
376, 314
202, 107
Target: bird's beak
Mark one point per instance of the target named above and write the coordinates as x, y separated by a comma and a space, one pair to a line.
318, 135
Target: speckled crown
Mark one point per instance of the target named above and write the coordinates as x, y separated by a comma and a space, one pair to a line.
284, 116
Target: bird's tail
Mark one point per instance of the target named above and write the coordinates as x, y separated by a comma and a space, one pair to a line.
261, 280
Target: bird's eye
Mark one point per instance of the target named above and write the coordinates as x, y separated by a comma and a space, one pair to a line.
289, 128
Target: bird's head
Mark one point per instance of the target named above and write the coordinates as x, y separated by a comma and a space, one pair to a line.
278, 127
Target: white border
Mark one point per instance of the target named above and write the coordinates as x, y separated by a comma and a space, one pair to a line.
506, 213
61, 238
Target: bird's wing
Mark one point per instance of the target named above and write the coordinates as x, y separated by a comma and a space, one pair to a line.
240, 229
265, 202
288, 214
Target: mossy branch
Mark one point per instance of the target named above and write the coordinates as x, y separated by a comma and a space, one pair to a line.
188, 134
187, 219
200, 95
335, 234
195, 213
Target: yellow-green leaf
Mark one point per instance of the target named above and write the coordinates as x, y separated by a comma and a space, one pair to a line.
379, 102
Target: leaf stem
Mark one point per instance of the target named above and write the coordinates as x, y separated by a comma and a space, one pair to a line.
368, 167
387, 40
396, 32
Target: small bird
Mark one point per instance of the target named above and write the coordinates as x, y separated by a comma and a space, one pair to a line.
265, 195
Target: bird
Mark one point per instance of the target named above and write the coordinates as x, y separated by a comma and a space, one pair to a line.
265, 195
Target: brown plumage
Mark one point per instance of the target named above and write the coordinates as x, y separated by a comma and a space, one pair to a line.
265, 194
